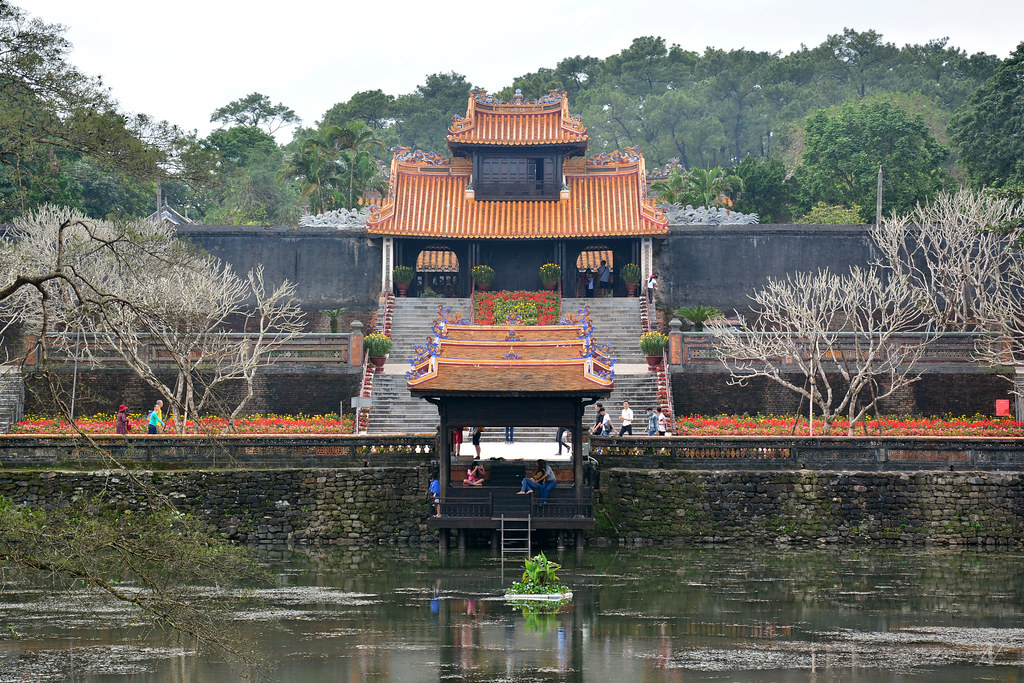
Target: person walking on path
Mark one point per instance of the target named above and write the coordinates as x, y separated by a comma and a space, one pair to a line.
477, 433
607, 428
652, 284
510, 435
627, 419
663, 422
561, 443
156, 421
121, 423
652, 422
543, 481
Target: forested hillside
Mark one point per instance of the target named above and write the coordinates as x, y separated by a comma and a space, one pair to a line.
795, 132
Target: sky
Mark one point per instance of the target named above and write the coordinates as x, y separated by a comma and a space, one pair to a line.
179, 61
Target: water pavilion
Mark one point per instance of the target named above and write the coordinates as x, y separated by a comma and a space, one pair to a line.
543, 375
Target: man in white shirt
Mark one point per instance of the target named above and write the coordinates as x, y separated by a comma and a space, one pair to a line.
663, 422
627, 419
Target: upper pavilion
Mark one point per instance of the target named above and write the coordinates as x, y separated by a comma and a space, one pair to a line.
517, 171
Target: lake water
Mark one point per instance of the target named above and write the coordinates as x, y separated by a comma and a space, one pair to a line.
638, 614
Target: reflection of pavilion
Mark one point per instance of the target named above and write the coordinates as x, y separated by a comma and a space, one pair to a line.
530, 376
516, 193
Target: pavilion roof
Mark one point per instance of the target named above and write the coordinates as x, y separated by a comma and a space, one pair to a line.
463, 358
490, 121
428, 198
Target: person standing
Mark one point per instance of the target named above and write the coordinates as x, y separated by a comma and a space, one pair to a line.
627, 419
652, 284
589, 283
607, 428
663, 422
477, 433
156, 421
510, 435
604, 279
121, 424
652, 422
561, 443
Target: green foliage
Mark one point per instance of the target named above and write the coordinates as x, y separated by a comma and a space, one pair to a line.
377, 344
698, 315
256, 110
844, 146
653, 343
402, 274
766, 189
697, 187
630, 274
482, 274
832, 214
332, 316
550, 273
986, 130
538, 577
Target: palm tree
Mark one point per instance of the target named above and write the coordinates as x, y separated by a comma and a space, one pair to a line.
316, 169
708, 185
675, 188
358, 140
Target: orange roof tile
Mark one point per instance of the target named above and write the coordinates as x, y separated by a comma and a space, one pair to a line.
489, 121
607, 200
437, 261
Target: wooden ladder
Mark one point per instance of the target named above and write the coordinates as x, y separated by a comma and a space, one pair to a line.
515, 535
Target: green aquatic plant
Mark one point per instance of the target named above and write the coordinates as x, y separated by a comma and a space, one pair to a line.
539, 577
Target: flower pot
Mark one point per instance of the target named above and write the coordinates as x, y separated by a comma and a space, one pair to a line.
378, 363
653, 363
631, 289
402, 289
483, 287
550, 287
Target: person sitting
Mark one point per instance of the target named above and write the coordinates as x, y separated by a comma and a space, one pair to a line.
475, 475
543, 480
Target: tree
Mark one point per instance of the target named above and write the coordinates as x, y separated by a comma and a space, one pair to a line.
372, 107
52, 114
335, 166
986, 129
697, 187
256, 110
134, 286
832, 214
766, 189
249, 192
860, 328
843, 148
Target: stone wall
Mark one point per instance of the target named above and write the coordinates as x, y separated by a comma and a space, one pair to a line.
348, 506
694, 507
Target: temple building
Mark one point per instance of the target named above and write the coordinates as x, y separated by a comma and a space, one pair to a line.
517, 192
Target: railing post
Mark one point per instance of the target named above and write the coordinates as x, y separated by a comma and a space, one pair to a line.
355, 344
675, 342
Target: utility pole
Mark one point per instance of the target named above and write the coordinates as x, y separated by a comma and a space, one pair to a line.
878, 198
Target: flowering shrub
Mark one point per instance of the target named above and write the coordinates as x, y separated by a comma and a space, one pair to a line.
377, 344
253, 424
781, 425
653, 343
550, 273
483, 274
534, 308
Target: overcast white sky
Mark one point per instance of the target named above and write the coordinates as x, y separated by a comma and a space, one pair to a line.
180, 60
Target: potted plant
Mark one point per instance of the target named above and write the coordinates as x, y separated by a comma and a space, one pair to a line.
483, 276
698, 315
378, 346
539, 582
402, 276
550, 275
630, 274
652, 345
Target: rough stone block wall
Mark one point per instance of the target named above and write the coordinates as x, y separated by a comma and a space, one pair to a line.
349, 506
693, 507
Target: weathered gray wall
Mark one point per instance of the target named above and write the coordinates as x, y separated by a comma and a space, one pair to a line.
332, 268
720, 265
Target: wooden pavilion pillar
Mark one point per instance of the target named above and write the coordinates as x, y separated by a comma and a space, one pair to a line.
577, 447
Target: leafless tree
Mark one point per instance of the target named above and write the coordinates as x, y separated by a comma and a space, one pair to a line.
823, 326
156, 301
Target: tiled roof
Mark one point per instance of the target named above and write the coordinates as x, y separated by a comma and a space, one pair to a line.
429, 200
437, 261
519, 359
492, 122
591, 258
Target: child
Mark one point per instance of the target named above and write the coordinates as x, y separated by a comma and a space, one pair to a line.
434, 489
475, 475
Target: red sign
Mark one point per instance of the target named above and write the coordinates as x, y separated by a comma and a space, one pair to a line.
1002, 407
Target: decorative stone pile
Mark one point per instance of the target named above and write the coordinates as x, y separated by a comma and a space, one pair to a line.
338, 218
707, 215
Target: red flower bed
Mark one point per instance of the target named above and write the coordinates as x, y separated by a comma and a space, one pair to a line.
267, 424
535, 308
770, 425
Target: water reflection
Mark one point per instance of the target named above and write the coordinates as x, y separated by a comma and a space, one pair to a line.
636, 615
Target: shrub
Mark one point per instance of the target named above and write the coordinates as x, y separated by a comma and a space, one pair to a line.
550, 273
377, 345
402, 275
653, 343
698, 315
483, 275
630, 274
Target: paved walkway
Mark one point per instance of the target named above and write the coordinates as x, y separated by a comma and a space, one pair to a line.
526, 450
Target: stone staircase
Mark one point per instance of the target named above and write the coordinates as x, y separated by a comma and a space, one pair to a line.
12, 397
616, 323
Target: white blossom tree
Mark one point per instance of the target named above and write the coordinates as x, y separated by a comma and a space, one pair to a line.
158, 302
854, 339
